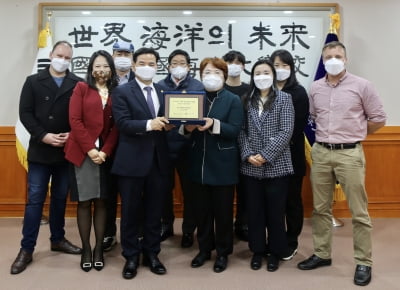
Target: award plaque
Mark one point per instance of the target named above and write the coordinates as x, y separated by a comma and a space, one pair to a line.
184, 108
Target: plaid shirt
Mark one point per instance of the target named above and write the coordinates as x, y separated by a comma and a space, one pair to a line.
268, 134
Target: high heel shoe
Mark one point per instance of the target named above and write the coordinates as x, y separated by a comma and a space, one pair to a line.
98, 259
86, 260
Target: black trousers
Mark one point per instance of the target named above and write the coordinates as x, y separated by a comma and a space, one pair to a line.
213, 208
188, 224
147, 193
266, 203
294, 210
241, 215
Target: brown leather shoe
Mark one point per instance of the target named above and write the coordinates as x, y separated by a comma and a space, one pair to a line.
66, 246
21, 262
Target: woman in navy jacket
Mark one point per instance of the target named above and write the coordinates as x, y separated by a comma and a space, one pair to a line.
213, 165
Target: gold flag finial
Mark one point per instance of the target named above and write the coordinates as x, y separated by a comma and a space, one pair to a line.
335, 23
45, 32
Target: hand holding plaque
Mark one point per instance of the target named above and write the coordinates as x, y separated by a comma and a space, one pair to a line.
184, 108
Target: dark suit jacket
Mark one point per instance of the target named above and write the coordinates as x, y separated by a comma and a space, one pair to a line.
137, 149
89, 121
43, 108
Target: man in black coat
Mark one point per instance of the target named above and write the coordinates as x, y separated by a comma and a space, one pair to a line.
43, 110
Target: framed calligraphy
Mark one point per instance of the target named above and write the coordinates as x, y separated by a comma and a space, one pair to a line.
202, 29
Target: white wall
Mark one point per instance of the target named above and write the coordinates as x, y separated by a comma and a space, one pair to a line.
369, 31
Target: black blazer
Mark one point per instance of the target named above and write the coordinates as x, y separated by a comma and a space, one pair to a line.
43, 108
137, 149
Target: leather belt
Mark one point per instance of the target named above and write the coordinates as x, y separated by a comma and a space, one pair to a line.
339, 146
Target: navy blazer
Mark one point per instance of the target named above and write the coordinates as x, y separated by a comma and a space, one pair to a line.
137, 149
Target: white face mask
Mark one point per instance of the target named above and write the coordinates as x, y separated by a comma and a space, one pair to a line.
334, 66
234, 70
282, 74
263, 82
59, 64
212, 82
146, 73
123, 63
179, 72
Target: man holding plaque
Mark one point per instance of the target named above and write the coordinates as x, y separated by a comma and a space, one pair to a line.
141, 163
179, 80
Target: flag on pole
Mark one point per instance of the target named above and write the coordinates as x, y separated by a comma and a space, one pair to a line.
309, 131
41, 62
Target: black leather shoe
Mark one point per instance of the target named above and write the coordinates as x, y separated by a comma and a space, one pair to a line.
220, 264
109, 243
362, 276
154, 264
200, 259
130, 268
272, 263
167, 230
21, 262
256, 262
66, 246
187, 240
313, 262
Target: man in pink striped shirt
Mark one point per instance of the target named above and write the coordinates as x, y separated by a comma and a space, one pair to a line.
345, 108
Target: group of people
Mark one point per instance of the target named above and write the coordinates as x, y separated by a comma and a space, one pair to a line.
107, 135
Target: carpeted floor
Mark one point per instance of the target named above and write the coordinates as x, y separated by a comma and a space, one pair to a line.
52, 270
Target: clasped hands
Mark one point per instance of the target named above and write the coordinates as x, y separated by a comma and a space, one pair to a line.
256, 160
97, 156
206, 126
56, 140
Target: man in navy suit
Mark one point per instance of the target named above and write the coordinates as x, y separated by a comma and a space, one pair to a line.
141, 162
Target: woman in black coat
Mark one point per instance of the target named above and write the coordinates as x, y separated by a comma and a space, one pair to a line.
287, 82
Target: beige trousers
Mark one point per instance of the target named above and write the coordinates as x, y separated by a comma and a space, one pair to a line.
347, 166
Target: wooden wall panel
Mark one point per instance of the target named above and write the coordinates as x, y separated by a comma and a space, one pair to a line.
382, 151
12, 177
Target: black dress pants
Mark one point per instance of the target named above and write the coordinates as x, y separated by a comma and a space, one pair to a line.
294, 210
266, 203
213, 206
137, 193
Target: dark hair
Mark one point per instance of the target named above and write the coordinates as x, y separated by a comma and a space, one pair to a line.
253, 96
334, 44
219, 63
234, 54
178, 52
112, 82
287, 58
146, 50
59, 43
